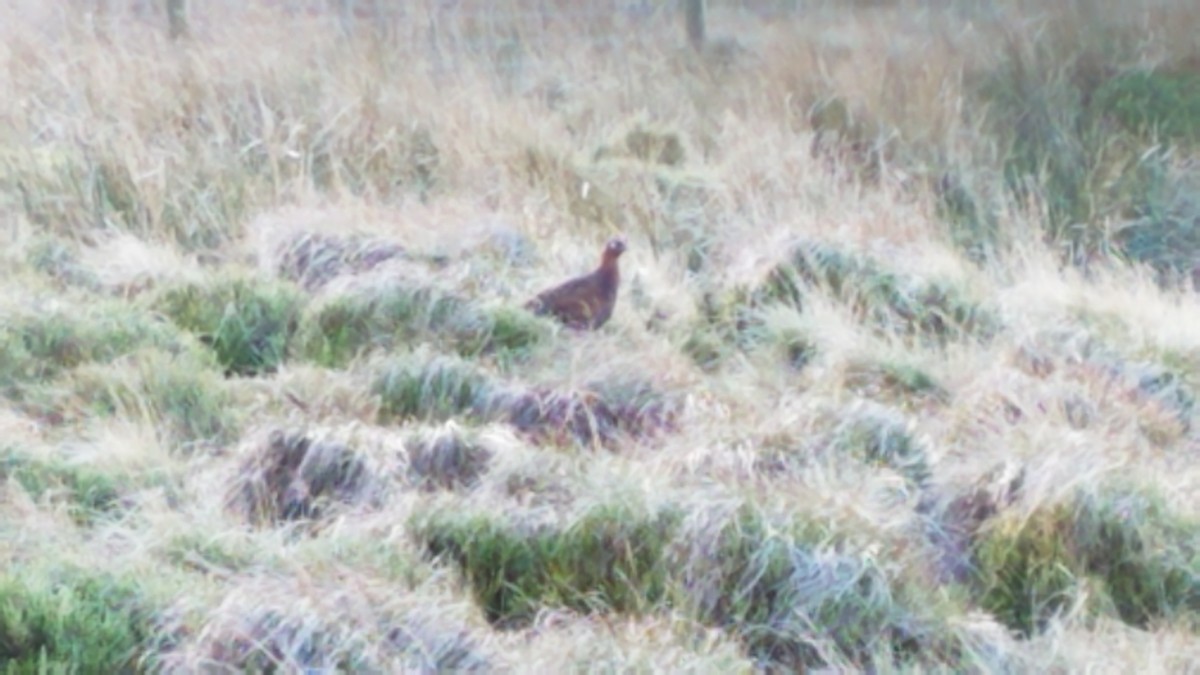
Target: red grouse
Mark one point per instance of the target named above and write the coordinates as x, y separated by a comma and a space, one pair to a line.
585, 302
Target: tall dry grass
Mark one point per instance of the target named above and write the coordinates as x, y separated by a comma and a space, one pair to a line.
902, 375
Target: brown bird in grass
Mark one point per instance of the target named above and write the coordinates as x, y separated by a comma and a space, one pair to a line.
585, 302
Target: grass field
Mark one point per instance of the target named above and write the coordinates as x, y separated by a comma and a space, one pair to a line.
902, 376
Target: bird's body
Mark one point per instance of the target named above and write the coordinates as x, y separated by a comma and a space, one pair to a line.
585, 302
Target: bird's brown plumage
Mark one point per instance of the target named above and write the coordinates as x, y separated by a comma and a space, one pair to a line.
585, 302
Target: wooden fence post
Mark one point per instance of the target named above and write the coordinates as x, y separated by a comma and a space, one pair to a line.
693, 16
177, 26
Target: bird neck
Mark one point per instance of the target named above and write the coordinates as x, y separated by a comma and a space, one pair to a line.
609, 271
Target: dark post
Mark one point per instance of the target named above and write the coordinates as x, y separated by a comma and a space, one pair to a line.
693, 15
177, 19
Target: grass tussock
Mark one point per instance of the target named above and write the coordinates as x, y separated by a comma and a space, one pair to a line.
72, 619
182, 396
264, 624
398, 315
39, 344
447, 458
769, 586
773, 583
431, 388
882, 437
312, 260
425, 387
248, 324
608, 559
899, 382
892, 302
602, 413
88, 492
59, 259
1139, 558
955, 517
293, 476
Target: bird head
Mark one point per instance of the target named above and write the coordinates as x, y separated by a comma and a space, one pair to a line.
614, 248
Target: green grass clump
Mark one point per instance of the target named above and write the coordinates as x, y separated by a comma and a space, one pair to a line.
1147, 557
728, 322
1161, 230
1049, 151
425, 387
784, 588
208, 551
1075, 134
685, 201
431, 388
1170, 388
394, 316
507, 331
1162, 105
1026, 569
900, 382
964, 206
38, 345
88, 491
883, 437
639, 406
817, 265
72, 620
58, 259
930, 310
183, 395
1146, 560
608, 559
248, 323
707, 346
375, 319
